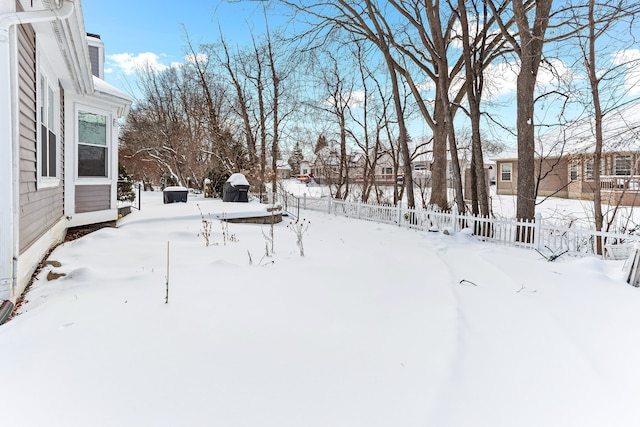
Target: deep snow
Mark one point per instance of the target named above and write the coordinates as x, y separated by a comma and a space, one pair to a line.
375, 326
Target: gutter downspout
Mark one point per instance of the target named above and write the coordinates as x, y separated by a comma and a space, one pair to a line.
9, 138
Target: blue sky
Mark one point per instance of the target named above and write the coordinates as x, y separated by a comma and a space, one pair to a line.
152, 30
142, 31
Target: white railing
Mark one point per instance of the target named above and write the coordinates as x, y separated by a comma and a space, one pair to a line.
544, 236
620, 182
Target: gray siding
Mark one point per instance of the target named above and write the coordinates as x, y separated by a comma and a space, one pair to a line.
40, 209
91, 198
94, 53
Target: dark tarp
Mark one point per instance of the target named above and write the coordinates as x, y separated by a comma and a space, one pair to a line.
236, 189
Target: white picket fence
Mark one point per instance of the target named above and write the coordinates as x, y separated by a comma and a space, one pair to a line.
548, 238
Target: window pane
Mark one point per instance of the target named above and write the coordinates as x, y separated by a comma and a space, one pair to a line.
43, 100
44, 147
588, 170
92, 161
623, 165
573, 170
505, 172
51, 109
52, 155
92, 128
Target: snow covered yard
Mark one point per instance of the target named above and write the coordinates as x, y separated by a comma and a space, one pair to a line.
375, 326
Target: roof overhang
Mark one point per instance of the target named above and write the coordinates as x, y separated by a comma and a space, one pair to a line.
66, 37
112, 95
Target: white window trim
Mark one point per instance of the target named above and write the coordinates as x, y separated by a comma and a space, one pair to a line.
44, 70
588, 178
510, 172
574, 166
109, 145
615, 164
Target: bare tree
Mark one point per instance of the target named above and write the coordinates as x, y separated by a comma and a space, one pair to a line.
241, 105
474, 47
375, 118
602, 20
531, 19
337, 92
166, 127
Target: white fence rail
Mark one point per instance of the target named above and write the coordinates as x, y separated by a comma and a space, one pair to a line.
548, 238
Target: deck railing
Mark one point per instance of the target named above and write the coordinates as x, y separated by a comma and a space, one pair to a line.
620, 182
545, 236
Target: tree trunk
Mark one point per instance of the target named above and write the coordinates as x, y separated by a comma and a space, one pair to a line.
403, 139
474, 86
439, 166
597, 160
526, 183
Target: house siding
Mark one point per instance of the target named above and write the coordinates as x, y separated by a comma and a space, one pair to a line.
40, 209
467, 182
507, 187
554, 182
91, 198
555, 177
94, 59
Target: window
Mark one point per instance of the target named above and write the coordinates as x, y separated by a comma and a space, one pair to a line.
48, 117
623, 165
387, 171
420, 166
92, 145
573, 170
505, 171
588, 170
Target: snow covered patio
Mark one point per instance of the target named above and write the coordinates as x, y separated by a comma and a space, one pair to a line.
375, 326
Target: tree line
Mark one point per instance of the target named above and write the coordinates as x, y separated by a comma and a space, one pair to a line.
361, 74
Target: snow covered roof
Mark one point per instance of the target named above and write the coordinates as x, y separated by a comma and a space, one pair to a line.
105, 88
106, 91
283, 164
621, 132
237, 179
176, 188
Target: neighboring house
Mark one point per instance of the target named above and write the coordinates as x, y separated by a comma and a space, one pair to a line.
58, 133
283, 169
305, 168
325, 164
565, 161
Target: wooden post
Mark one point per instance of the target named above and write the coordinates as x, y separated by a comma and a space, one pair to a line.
537, 233
166, 299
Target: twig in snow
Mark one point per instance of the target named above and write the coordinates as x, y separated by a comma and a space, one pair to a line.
467, 281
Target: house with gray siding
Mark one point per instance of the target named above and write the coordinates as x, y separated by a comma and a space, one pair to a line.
58, 133
565, 160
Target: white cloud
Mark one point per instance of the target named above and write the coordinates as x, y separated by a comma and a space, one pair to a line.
352, 99
630, 59
552, 74
500, 79
129, 63
475, 28
426, 86
198, 58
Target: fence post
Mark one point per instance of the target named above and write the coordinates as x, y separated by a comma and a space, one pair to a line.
537, 231
454, 218
399, 205
358, 210
329, 204
304, 201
